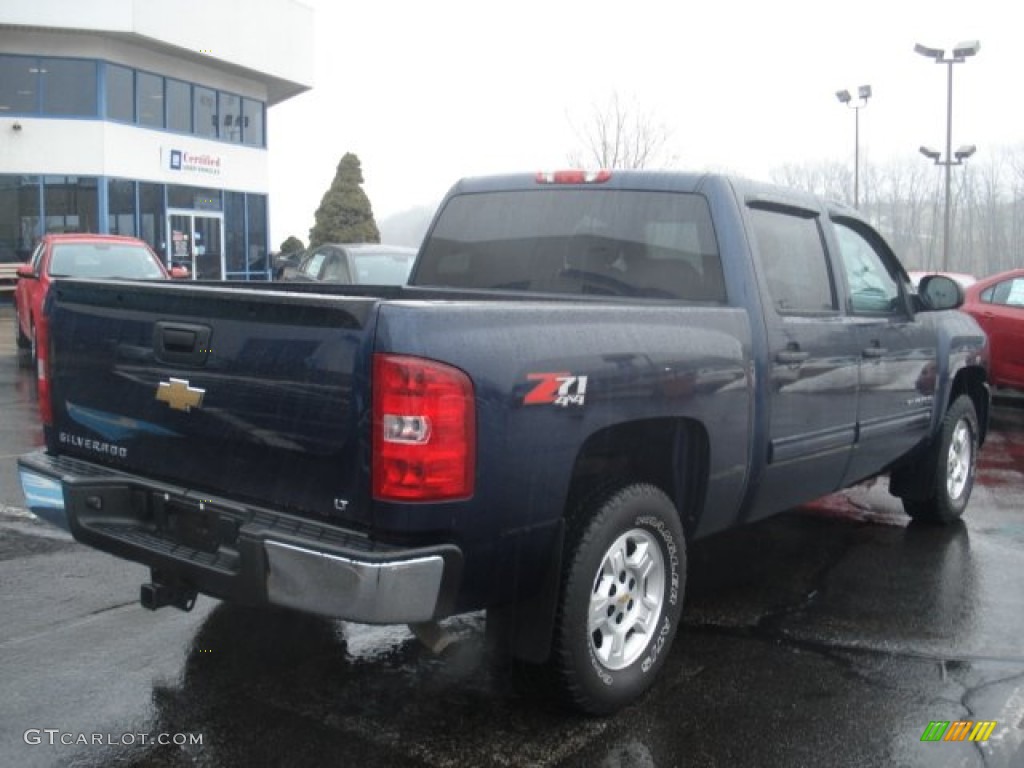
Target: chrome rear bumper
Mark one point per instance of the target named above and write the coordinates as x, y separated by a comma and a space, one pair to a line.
245, 554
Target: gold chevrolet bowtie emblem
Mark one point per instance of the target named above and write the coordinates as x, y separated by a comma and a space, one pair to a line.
178, 394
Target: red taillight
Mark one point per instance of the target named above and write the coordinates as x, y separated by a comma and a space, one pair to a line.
424, 430
573, 176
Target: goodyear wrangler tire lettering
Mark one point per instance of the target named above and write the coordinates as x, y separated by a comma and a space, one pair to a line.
621, 598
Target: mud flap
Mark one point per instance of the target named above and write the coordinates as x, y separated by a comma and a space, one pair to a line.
524, 629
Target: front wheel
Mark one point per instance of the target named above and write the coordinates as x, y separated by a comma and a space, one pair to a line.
20, 338
955, 456
33, 344
622, 597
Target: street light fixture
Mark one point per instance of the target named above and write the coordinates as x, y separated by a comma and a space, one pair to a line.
959, 54
863, 94
965, 151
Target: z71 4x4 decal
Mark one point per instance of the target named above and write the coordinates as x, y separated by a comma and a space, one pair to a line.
562, 389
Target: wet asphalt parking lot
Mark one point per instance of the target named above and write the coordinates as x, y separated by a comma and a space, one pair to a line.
831, 635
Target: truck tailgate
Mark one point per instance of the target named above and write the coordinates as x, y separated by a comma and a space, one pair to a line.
255, 395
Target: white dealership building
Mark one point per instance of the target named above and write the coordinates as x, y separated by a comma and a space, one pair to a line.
146, 118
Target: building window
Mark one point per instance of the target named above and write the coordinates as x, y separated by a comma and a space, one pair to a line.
18, 85
256, 214
121, 207
70, 204
234, 234
193, 198
230, 111
120, 93
179, 106
252, 121
31, 85
149, 99
204, 106
69, 87
151, 215
19, 217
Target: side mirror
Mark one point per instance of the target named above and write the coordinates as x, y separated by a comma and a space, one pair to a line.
179, 273
940, 292
26, 271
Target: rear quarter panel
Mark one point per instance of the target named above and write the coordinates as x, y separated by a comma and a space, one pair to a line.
655, 361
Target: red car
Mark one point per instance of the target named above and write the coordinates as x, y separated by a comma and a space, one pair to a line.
997, 303
76, 255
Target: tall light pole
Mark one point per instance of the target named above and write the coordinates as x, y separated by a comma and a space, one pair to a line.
958, 56
863, 94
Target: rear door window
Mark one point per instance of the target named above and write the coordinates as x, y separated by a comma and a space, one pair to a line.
794, 261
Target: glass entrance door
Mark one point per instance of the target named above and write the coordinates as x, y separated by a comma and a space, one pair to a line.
179, 243
196, 241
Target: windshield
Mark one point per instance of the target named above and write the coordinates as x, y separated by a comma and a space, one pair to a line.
576, 241
383, 268
104, 260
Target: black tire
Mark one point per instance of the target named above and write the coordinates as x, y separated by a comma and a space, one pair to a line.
955, 456
19, 336
27, 357
33, 350
640, 525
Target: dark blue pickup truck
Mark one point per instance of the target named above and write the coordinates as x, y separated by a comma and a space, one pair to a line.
587, 371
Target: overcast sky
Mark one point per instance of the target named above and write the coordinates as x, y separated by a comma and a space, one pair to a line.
427, 92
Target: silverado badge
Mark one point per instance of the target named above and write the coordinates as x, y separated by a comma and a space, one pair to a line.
180, 395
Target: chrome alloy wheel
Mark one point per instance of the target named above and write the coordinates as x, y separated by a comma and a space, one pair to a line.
960, 459
627, 599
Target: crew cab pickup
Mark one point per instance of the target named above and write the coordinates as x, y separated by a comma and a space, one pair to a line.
586, 372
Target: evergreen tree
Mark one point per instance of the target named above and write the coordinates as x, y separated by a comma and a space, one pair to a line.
292, 244
345, 215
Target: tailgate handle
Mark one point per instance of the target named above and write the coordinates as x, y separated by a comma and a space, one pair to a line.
181, 342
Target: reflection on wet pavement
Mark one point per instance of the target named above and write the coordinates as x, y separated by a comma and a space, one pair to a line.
830, 635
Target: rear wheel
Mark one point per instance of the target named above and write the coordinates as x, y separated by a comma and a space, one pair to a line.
621, 598
954, 456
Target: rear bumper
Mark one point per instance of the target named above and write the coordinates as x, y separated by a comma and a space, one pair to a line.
240, 552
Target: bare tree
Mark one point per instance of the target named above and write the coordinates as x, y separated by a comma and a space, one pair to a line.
904, 198
620, 135
825, 179
1015, 163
